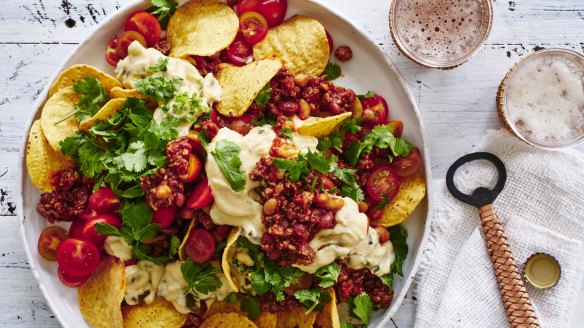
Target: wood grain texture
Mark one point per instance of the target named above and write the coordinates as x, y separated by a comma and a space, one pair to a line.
457, 106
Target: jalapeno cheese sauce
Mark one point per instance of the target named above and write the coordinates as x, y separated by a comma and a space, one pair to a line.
142, 281
195, 95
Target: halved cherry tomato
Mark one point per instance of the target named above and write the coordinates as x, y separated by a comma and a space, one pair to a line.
201, 195
383, 183
69, 280
164, 216
193, 169
220, 232
196, 143
104, 201
111, 52
214, 118
242, 124
239, 51
76, 229
146, 24
253, 26
78, 257
89, 232
200, 245
329, 38
88, 213
375, 111
407, 166
49, 241
397, 128
273, 11
126, 39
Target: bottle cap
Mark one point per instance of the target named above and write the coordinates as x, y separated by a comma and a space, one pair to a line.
542, 271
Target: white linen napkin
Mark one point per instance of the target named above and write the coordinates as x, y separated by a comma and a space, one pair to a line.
542, 209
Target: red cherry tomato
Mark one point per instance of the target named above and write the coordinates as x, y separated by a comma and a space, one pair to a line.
200, 245
239, 51
407, 166
193, 169
76, 229
201, 195
164, 216
145, 24
111, 52
375, 111
253, 26
383, 183
220, 232
398, 128
196, 143
88, 213
126, 39
49, 241
69, 280
273, 11
89, 232
214, 117
329, 38
78, 257
242, 124
104, 201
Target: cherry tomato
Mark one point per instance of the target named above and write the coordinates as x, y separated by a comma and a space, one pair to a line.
242, 124
201, 195
220, 232
375, 110
69, 280
196, 142
88, 213
89, 232
214, 117
164, 216
329, 38
78, 257
253, 26
407, 166
273, 11
383, 183
76, 229
239, 51
193, 169
398, 128
200, 245
126, 39
104, 201
49, 241
111, 52
383, 234
145, 24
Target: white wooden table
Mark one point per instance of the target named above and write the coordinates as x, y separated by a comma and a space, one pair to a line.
457, 106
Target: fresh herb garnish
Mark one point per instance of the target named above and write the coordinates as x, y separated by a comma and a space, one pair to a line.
381, 137
382, 204
328, 275
336, 138
93, 97
201, 277
350, 187
399, 236
369, 94
320, 162
251, 306
158, 87
361, 307
232, 297
266, 120
288, 133
163, 10
313, 299
226, 156
294, 168
160, 67
332, 71
263, 98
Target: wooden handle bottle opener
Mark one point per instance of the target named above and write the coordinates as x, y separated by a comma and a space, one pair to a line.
515, 298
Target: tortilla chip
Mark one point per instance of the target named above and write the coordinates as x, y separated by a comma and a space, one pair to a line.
118, 92
41, 160
228, 254
107, 111
299, 43
71, 75
412, 191
329, 317
56, 108
232, 320
241, 85
182, 254
265, 320
296, 318
201, 28
319, 127
101, 296
160, 313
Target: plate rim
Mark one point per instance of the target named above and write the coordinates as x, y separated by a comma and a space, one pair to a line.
20, 174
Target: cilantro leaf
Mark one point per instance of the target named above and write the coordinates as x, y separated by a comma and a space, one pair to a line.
158, 87
351, 126
350, 188
251, 306
263, 98
399, 236
231, 298
333, 140
266, 120
226, 156
382, 204
174, 245
201, 277
319, 162
328, 275
332, 71
160, 67
288, 133
369, 94
93, 97
387, 279
381, 137
294, 168
163, 10
361, 306
313, 299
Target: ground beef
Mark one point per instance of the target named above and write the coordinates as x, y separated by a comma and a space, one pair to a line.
325, 98
163, 46
353, 282
163, 189
209, 64
193, 321
177, 157
69, 198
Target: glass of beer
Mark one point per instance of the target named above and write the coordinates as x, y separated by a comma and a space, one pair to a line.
440, 33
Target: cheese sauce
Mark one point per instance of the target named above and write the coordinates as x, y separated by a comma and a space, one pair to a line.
117, 246
142, 281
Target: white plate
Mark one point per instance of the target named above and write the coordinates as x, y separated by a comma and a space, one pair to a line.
370, 69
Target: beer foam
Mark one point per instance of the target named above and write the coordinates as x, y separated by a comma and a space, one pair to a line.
442, 31
545, 99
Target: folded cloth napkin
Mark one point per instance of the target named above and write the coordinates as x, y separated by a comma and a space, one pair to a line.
542, 209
